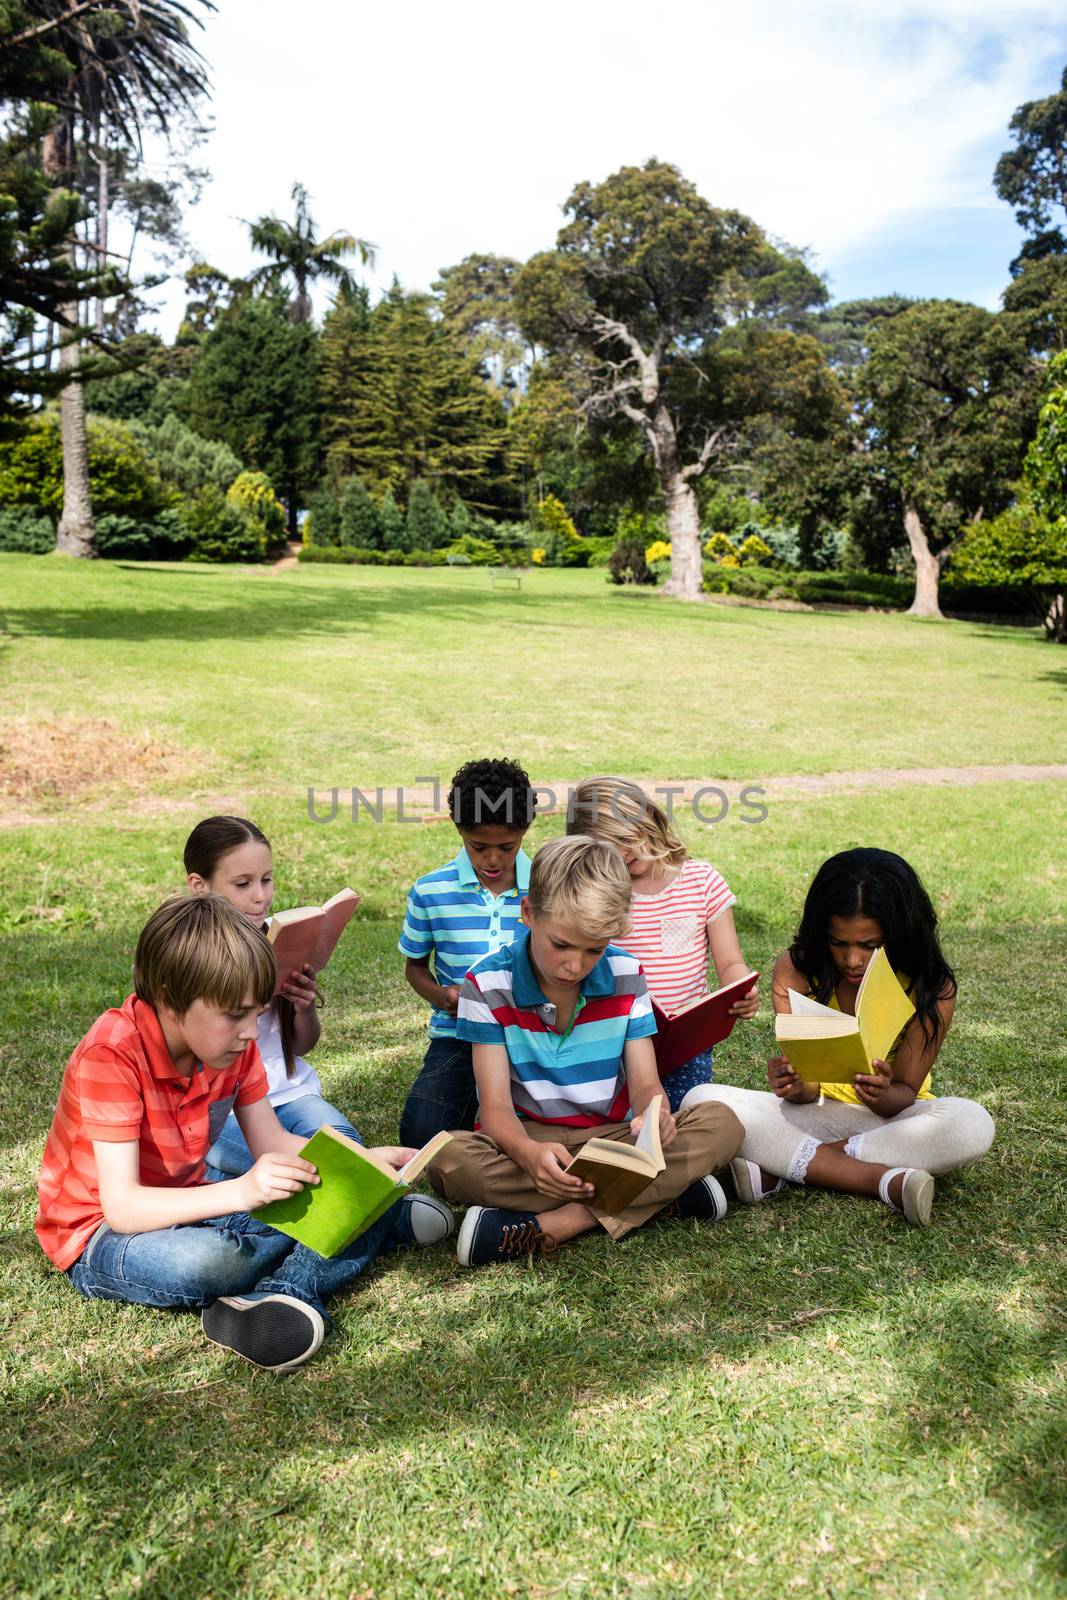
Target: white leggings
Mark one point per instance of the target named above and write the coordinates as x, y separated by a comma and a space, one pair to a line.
938, 1135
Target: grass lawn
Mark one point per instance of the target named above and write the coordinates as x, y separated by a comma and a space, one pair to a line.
808, 1399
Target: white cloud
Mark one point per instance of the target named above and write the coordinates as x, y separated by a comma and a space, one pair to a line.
437, 131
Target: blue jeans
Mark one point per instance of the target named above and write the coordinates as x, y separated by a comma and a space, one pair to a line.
229, 1156
443, 1096
191, 1265
687, 1076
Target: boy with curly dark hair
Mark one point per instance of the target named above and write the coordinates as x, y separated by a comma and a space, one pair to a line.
463, 911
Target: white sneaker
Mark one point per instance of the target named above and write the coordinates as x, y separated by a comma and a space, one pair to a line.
431, 1220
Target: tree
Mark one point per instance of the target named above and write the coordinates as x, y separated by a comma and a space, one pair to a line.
477, 305
255, 386
402, 401
1020, 550
643, 284
948, 403
393, 524
128, 63
296, 253
427, 523
1032, 178
359, 524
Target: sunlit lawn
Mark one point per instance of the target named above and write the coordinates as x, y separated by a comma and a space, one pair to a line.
810, 1398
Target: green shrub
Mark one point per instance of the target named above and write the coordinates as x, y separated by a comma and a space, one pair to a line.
251, 494
164, 538
628, 565
391, 520
219, 529
476, 552
27, 530
755, 552
185, 462
718, 547
122, 479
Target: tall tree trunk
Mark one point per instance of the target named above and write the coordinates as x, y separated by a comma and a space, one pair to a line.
927, 566
683, 530
76, 534
102, 204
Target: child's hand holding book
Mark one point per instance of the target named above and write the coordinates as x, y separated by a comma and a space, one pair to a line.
667, 1125
274, 1177
545, 1163
300, 987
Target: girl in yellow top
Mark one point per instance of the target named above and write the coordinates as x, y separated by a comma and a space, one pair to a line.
886, 1134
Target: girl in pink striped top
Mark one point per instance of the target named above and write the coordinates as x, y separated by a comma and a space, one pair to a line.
681, 909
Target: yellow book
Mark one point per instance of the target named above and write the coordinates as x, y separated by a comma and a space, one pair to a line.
828, 1046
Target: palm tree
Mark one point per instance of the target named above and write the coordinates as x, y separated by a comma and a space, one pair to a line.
297, 253
131, 65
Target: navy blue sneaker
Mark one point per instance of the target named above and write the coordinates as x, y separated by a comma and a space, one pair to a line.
489, 1234
703, 1199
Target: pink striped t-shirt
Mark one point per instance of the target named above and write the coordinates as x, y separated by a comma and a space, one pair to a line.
669, 933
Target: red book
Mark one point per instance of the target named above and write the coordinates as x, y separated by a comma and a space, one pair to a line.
309, 933
698, 1025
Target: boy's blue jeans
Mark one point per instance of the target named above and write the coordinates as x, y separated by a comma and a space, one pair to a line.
189, 1266
443, 1096
229, 1156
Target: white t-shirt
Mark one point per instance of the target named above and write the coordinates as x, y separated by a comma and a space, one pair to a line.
280, 1089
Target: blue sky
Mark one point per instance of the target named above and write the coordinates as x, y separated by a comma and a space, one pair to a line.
863, 129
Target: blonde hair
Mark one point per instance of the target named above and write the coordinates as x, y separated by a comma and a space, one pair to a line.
622, 813
583, 882
200, 947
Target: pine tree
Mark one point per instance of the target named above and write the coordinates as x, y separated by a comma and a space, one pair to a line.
360, 525
427, 524
393, 526
402, 401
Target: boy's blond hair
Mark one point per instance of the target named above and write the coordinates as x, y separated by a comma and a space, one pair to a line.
585, 885
622, 813
200, 947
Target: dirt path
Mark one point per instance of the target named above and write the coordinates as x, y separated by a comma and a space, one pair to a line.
421, 803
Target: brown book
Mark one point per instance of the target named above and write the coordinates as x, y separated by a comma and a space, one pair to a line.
309, 933
621, 1171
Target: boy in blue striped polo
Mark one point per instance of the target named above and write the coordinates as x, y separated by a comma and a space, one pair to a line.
456, 915
560, 1023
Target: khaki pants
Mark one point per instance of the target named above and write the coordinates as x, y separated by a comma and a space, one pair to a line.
474, 1171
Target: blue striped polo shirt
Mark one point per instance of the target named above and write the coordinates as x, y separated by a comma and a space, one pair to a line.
453, 918
576, 1077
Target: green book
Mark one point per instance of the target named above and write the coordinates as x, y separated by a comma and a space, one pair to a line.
353, 1191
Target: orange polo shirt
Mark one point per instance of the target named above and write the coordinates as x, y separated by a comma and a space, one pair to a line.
120, 1084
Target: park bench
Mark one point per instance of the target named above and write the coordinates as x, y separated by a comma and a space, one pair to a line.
503, 577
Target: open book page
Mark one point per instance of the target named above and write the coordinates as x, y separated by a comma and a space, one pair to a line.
422, 1158
648, 1140
882, 1007
802, 1005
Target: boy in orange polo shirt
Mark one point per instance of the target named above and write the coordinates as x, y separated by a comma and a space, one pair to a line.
124, 1209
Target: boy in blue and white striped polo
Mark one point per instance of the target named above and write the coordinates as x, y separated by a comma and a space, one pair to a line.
560, 1023
456, 915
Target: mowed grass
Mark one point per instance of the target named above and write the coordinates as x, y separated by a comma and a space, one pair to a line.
809, 1398
373, 676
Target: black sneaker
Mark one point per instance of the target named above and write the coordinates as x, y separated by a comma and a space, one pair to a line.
488, 1235
703, 1199
275, 1331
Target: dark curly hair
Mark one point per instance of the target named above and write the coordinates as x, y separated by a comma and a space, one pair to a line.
488, 793
880, 885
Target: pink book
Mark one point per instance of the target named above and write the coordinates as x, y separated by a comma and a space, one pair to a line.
698, 1025
310, 933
